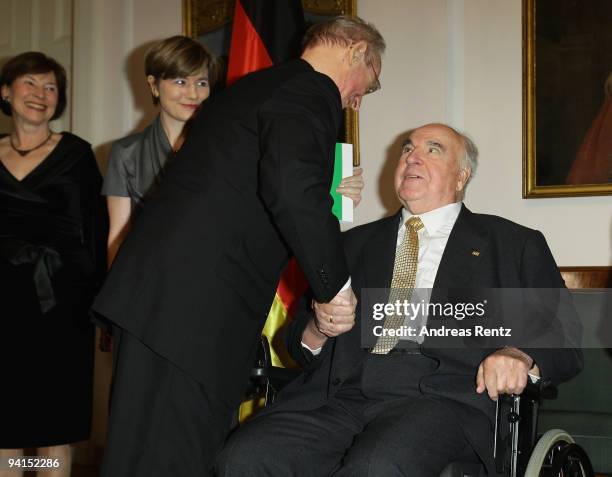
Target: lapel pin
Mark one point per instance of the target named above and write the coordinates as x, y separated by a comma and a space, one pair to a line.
476, 253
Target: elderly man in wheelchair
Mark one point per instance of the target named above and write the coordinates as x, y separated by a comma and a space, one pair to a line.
514, 448
373, 402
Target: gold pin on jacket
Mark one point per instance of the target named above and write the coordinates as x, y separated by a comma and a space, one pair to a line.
476, 253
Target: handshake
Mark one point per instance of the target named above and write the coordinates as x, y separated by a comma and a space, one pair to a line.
330, 319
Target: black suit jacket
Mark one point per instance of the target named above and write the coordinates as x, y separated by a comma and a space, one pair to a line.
511, 256
197, 274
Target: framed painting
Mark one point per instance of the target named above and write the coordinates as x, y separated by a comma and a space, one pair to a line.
567, 98
209, 21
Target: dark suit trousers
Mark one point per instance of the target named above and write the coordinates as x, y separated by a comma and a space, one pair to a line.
377, 424
162, 422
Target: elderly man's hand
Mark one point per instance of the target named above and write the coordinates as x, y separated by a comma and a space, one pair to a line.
504, 372
351, 186
337, 316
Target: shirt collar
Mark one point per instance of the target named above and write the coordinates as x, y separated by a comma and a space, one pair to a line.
160, 137
436, 219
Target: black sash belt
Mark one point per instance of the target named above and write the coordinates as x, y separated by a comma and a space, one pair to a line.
46, 262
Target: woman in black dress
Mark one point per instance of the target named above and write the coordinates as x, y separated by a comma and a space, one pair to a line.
52, 260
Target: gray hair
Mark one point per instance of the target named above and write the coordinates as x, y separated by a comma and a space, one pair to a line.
470, 159
344, 30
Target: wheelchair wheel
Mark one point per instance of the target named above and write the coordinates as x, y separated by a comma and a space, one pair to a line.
557, 455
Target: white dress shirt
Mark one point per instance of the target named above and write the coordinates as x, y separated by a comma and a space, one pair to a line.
437, 226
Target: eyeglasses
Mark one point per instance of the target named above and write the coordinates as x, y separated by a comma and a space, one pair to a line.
375, 86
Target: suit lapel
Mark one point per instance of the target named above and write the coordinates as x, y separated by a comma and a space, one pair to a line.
466, 246
377, 257
379, 254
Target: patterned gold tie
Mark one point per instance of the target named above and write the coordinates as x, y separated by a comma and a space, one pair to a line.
402, 283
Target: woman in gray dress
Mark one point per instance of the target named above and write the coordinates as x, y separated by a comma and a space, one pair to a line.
180, 73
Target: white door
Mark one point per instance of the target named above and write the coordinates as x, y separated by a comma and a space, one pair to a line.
38, 25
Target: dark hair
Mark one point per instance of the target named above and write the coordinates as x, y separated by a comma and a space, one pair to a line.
34, 62
178, 57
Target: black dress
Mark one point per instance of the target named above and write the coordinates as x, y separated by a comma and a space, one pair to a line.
52, 260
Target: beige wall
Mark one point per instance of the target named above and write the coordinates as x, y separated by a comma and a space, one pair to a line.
459, 61
34, 25
111, 37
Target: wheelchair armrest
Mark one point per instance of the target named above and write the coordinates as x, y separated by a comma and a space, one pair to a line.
269, 380
539, 390
266, 379
263, 370
276, 373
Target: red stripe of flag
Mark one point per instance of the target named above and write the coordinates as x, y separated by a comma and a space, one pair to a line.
267, 32
292, 286
247, 50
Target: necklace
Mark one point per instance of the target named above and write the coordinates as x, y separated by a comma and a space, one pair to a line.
25, 152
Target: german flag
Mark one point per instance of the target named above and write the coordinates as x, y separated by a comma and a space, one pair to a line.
264, 33
267, 33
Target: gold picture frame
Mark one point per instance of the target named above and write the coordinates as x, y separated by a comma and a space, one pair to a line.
549, 167
204, 16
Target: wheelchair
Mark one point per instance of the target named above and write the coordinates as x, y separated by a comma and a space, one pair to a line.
517, 450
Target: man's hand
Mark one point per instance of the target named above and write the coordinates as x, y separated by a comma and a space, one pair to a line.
337, 316
351, 186
331, 319
504, 372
